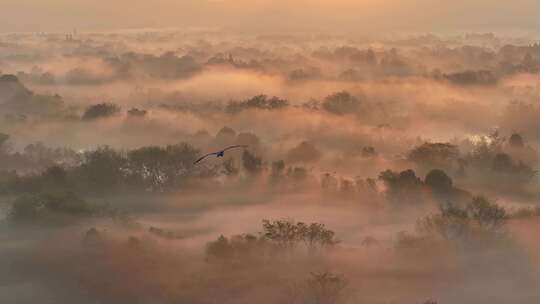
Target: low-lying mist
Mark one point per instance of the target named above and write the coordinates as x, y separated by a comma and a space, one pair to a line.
399, 170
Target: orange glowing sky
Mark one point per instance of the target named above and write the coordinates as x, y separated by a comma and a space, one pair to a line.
355, 15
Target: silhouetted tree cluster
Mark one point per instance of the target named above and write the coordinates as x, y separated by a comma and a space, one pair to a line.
222, 59
100, 110
525, 212
261, 102
104, 171
481, 77
439, 181
304, 74
480, 219
341, 103
292, 177
37, 76
406, 189
240, 249
503, 163
358, 188
134, 112
159, 168
403, 187
165, 66
34, 157
51, 208
17, 101
280, 236
516, 141
287, 234
492, 157
434, 155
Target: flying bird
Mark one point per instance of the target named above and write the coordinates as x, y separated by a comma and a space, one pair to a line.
219, 153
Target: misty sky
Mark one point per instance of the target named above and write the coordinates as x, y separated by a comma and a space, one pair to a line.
268, 15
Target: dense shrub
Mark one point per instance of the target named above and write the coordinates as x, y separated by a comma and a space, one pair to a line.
481, 77
261, 102
134, 112
341, 103
101, 110
51, 208
481, 219
434, 154
403, 188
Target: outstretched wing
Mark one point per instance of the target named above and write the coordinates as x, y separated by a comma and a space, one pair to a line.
216, 153
235, 146
205, 156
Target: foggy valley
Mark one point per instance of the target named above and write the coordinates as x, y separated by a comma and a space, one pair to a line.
399, 168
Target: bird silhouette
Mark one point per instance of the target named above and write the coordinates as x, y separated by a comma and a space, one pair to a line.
219, 153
